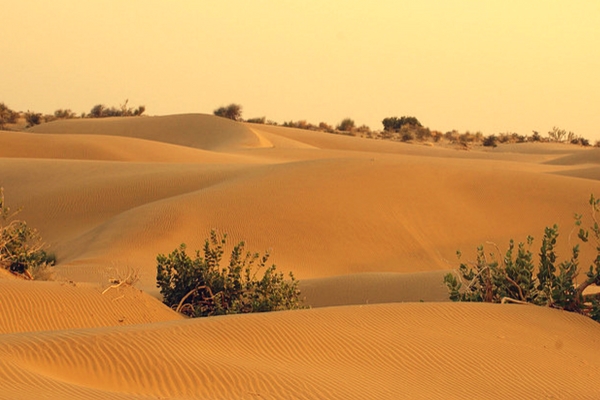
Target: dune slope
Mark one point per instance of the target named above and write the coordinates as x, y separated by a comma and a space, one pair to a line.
46, 306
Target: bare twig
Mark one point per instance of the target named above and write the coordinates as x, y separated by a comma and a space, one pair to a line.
130, 280
515, 301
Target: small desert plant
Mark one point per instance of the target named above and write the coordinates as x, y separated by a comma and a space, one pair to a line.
301, 124
64, 114
139, 111
101, 111
200, 287
347, 125
21, 248
580, 141
559, 135
513, 277
406, 134
7, 116
364, 129
452, 136
490, 141
324, 126
536, 137
97, 111
395, 123
33, 118
258, 120
232, 111
511, 137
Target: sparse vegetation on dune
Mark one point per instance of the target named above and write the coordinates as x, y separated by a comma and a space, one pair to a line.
512, 278
200, 287
7, 116
406, 129
258, 120
409, 129
21, 247
32, 118
347, 125
232, 111
101, 111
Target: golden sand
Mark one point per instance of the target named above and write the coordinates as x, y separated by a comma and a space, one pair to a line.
369, 227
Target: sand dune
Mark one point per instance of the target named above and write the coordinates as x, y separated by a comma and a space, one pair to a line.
401, 351
192, 130
46, 306
358, 221
96, 147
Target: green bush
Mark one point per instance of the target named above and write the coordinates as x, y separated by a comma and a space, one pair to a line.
7, 116
301, 124
200, 287
347, 125
33, 118
101, 111
580, 141
258, 120
536, 137
324, 126
232, 111
514, 279
21, 248
395, 123
490, 141
64, 114
406, 135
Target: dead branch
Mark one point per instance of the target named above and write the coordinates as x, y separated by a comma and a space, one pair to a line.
117, 284
515, 301
517, 286
193, 291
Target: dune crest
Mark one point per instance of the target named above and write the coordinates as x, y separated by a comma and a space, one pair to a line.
199, 131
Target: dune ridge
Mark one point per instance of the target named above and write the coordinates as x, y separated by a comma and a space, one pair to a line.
192, 130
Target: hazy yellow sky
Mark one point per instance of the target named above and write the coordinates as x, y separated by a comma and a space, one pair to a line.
488, 65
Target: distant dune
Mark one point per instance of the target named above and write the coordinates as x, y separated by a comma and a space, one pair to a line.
364, 224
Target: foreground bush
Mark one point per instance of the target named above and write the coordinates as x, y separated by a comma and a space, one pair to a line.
21, 248
513, 278
200, 287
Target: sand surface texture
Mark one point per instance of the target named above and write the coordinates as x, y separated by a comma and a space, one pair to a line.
368, 227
